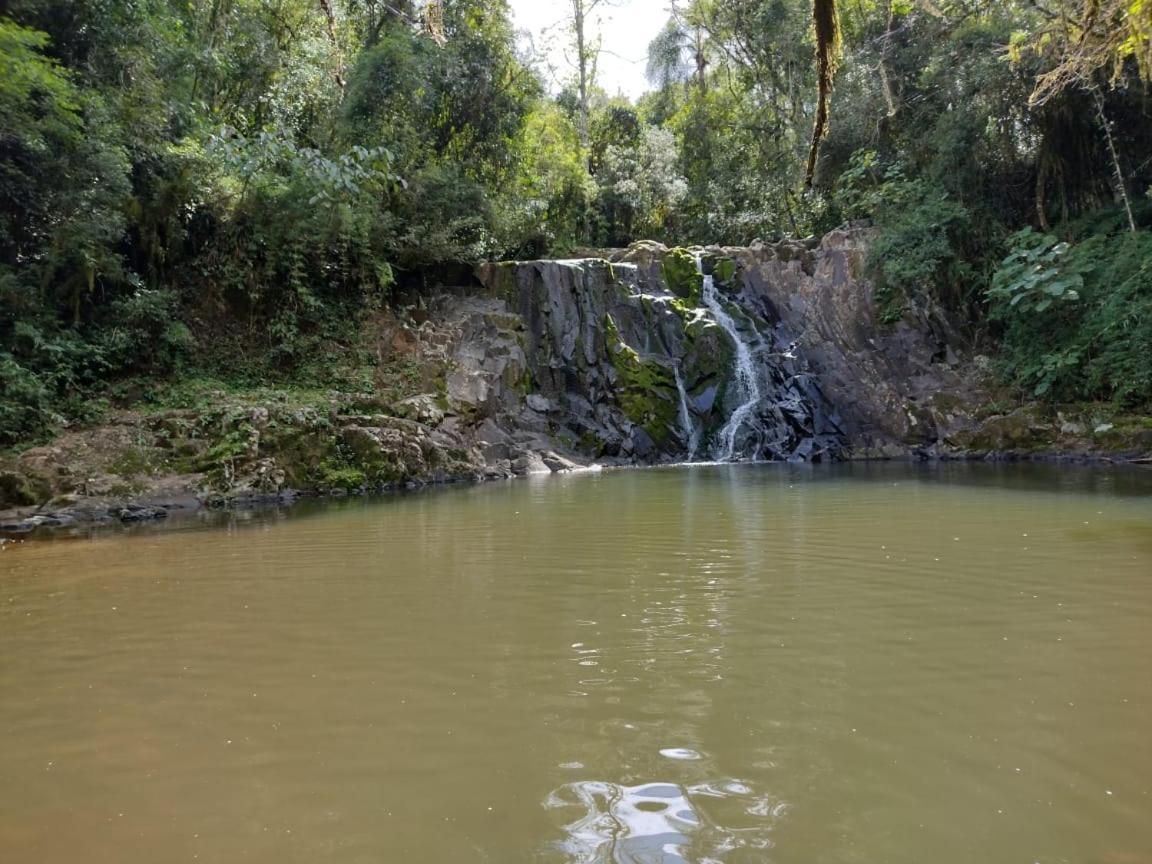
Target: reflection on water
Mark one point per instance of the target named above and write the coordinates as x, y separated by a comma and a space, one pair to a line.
737, 664
660, 823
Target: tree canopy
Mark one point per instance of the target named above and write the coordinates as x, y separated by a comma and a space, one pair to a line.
231, 183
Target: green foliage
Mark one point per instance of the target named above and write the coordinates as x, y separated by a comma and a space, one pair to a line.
1084, 328
334, 475
26, 406
1035, 275
640, 186
230, 189
144, 332
551, 194
919, 247
62, 182
28, 75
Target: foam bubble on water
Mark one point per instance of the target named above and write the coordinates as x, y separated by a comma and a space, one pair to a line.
680, 753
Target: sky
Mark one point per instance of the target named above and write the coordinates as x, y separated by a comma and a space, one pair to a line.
627, 26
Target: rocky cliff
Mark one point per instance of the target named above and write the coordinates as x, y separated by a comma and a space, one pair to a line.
625, 361
638, 356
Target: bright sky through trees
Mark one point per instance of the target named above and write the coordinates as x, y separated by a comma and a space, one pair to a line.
627, 26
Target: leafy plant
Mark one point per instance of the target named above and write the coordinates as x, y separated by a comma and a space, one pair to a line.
1036, 274
1093, 344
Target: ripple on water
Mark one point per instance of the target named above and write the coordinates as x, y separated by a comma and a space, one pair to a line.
608, 823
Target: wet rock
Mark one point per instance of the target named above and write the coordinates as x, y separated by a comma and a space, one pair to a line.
529, 463
138, 513
498, 469
557, 463
468, 388
703, 401
532, 421
641, 444
495, 452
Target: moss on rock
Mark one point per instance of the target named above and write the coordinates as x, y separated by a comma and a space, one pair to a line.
681, 275
20, 490
724, 271
646, 390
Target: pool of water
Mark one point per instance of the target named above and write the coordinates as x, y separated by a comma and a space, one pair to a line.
872, 663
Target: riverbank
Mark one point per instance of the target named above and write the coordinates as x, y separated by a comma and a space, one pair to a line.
160, 497
552, 366
144, 466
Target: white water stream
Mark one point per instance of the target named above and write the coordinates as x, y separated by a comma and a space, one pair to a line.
747, 383
691, 429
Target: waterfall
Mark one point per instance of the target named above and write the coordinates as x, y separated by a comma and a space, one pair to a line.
747, 382
691, 430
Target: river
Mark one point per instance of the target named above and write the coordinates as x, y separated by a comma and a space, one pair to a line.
749, 663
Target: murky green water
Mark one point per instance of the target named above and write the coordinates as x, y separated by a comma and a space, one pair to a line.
747, 664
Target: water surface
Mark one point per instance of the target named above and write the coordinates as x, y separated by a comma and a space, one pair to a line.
738, 664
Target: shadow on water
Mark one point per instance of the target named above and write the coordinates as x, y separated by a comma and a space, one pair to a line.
1057, 478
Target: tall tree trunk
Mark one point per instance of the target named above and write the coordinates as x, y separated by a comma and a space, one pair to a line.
1041, 195
701, 61
330, 23
827, 54
578, 17
1118, 172
885, 53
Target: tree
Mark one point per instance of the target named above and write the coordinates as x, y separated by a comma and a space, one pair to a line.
828, 46
1098, 36
1102, 38
587, 49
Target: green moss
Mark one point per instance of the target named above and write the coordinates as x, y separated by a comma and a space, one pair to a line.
336, 476
590, 443
1125, 433
992, 409
18, 490
681, 275
1025, 430
724, 270
132, 462
646, 390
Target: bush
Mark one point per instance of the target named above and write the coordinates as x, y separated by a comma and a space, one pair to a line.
1078, 318
918, 249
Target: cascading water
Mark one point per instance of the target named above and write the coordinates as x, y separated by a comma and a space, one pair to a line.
746, 380
627, 369
691, 430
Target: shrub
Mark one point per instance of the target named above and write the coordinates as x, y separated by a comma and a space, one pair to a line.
1078, 318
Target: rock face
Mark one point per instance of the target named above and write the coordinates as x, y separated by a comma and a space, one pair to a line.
628, 364
642, 356
898, 387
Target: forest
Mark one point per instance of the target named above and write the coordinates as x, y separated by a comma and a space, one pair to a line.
227, 189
